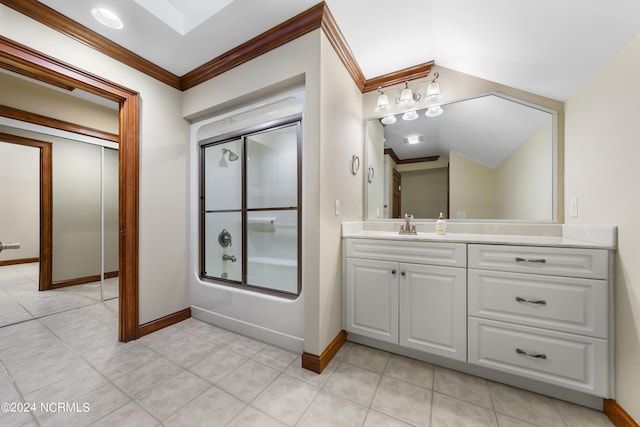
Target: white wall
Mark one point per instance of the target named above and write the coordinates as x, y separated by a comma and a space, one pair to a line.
601, 170
19, 201
163, 163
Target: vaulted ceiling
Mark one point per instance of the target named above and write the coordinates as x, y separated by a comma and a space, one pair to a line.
546, 47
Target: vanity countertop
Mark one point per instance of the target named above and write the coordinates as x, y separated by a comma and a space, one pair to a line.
563, 235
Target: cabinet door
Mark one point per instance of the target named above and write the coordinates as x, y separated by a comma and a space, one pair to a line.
433, 309
372, 299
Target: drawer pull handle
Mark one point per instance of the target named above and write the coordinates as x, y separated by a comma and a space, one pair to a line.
403, 273
393, 271
538, 301
535, 356
538, 260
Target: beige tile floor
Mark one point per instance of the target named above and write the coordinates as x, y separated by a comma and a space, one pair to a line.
196, 374
20, 299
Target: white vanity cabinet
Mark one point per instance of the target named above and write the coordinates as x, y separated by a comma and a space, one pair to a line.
408, 293
541, 313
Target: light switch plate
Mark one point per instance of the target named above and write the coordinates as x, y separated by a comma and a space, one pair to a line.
573, 207
337, 207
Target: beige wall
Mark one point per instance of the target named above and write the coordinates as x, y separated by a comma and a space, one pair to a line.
28, 96
472, 188
424, 192
341, 128
601, 170
163, 163
524, 181
19, 199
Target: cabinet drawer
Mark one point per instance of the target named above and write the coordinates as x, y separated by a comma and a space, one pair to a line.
562, 303
447, 254
571, 262
573, 361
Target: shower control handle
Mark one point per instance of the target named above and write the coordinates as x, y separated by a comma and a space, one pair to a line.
224, 238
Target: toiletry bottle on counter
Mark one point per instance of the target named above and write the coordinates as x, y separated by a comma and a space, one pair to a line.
441, 225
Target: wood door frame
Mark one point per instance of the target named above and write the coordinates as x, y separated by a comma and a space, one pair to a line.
21, 58
46, 198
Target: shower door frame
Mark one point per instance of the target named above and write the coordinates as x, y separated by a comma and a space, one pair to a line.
295, 119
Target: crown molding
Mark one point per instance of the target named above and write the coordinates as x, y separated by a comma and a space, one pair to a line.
319, 16
401, 76
57, 21
277, 36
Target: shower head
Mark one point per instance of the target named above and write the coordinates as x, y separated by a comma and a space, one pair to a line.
232, 156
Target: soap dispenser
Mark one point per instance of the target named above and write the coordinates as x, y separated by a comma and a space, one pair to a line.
441, 225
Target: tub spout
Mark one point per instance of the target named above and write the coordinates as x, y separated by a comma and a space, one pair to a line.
231, 258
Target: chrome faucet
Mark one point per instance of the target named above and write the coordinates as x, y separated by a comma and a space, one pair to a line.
408, 228
231, 258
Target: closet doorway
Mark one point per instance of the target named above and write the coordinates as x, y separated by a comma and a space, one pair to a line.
24, 60
68, 243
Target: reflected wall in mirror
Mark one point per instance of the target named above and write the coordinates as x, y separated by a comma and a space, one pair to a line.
490, 157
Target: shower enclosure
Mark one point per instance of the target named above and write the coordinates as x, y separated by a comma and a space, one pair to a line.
246, 220
251, 208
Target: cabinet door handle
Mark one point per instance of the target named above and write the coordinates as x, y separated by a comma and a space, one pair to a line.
538, 260
403, 273
393, 271
533, 355
535, 301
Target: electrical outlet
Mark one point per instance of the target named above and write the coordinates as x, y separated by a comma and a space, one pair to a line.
573, 207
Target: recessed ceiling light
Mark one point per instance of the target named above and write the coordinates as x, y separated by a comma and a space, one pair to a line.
413, 139
108, 18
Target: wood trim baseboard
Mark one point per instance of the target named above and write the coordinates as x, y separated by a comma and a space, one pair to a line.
18, 261
316, 363
618, 416
163, 322
82, 280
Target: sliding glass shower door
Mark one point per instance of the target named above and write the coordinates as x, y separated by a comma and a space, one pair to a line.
251, 209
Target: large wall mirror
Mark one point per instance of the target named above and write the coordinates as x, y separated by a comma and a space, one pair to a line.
490, 157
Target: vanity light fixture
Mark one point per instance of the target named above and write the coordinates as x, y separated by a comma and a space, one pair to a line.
388, 120
408, 98
434, 111
383, 102
410, 115
107, 18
